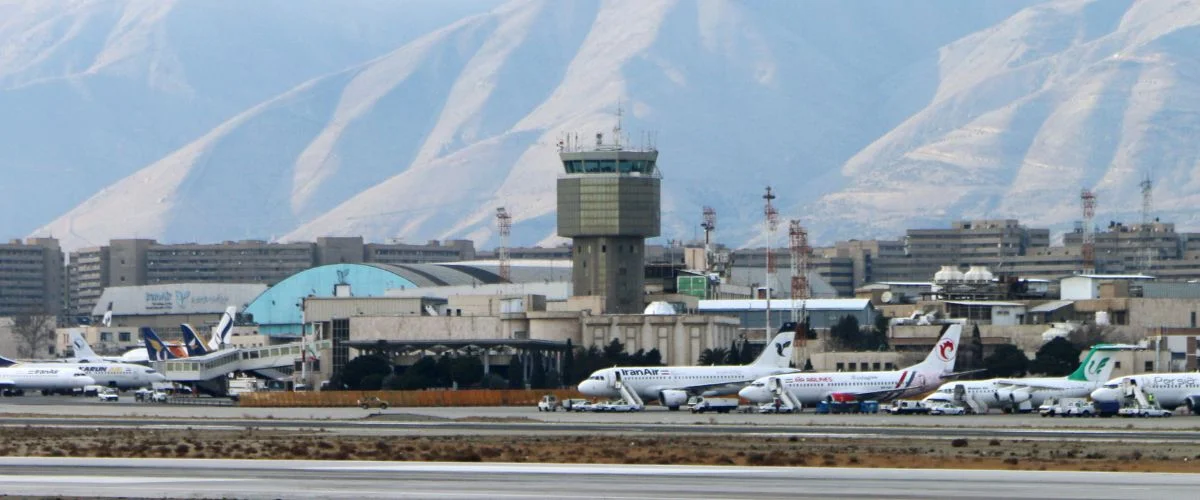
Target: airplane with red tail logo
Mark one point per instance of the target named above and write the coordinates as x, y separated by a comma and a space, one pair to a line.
812, 388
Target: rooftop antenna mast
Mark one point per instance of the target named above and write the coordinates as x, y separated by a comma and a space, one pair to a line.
772, 220
504, 224
709, 225
1147, 201
800, 250
1089, 232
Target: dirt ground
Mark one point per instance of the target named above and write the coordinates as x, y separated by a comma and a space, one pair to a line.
715, 449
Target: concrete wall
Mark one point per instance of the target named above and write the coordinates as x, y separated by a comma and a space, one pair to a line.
855, 361
680, 339
426, 328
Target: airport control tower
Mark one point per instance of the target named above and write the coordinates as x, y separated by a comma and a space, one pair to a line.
608, 204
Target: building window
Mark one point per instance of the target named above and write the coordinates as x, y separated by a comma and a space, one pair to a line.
1149, 366
1117, 365
123, 336
106, 336
841, 367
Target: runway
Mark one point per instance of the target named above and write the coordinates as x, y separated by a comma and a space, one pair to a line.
370, 427
177, 478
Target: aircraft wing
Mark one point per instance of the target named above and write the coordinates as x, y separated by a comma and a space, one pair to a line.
960, 374
884, 395
7, 383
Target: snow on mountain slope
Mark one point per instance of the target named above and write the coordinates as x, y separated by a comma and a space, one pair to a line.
1057, 98
866, 117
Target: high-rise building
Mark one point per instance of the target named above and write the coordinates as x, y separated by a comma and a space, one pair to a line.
31, 277
608, 204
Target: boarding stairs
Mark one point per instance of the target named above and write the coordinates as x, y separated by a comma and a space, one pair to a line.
964, 398
1133, 392
785, 397
627, 393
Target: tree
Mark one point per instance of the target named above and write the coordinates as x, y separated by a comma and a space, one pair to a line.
654, 358
808, 367
733, 356
712, 356
568, 365
33, 333
1006, 361
363, 366
970, 355
516, 373
1056, 358
614, 352
371, 382
466, 370
537, 372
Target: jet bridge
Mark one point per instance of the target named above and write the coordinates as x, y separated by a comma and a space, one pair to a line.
274, 362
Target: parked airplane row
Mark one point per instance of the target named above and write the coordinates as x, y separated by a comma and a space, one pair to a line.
769, 376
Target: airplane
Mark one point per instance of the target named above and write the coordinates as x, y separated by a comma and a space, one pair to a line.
1028, 393
223, 333
1170, 390
107, 372
673, 385
812, 388
16, 378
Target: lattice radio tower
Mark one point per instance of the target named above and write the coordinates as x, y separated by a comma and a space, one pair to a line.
1089, 231
504, 224
800, 251
1147, 201
772, 221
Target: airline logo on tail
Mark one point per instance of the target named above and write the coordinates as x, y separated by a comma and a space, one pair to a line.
107, 320
1096, 366
780, 346
945, 350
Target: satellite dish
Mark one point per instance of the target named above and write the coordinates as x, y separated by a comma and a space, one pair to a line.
887, 297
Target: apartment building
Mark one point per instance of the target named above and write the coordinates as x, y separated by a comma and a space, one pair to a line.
31, 277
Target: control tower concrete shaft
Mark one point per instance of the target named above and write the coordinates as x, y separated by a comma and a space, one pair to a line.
608, 204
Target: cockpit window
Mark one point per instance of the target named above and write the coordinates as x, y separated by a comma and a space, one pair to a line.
150, 370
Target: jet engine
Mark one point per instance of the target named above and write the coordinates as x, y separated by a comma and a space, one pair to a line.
1192, 403
672, 398
1015, 397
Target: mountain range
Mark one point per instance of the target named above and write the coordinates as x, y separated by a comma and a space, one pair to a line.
413, 120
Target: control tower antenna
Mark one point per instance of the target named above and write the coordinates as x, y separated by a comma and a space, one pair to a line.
1089, 232
617, 129
772, 220
504, 223
800, 250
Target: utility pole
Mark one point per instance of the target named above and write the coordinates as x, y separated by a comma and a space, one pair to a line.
772, 220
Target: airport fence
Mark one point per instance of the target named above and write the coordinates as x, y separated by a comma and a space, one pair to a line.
474, 397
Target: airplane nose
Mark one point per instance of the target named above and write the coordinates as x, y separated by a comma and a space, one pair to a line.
88, 380
1104, 395
755, 394
588, 387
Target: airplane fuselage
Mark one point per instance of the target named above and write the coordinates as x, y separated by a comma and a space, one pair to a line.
1171, 390
812, 388
40, 377
648, 382
1003, 393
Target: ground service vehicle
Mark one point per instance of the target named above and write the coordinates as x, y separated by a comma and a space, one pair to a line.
721, 405
1143, 411
569, 404
1073, 407
618, 405
549, 402
372, 401
946, 409
907, 407
109, 395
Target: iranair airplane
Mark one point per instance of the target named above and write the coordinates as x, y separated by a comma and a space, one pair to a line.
673, 385
811, 388
1170, 390
16, 378
1029, 393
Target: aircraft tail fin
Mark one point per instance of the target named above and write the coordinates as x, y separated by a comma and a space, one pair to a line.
155, 348
224, 331
192, 342
778, 353
6, 362
83, 350
1099, 363
107, 321
941, 358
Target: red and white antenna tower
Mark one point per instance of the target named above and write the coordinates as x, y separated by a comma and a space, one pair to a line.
504, 223
709, 225
800, 250
771, 222
1089, 232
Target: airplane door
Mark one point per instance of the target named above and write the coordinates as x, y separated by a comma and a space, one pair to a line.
775, 383
616, 377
